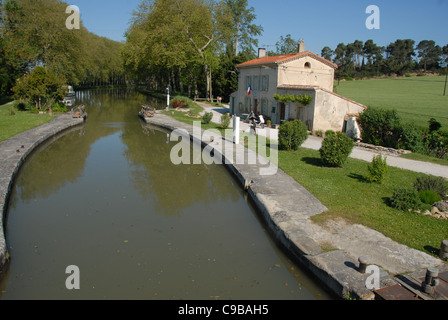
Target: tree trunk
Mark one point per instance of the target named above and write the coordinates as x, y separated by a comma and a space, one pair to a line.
181, 85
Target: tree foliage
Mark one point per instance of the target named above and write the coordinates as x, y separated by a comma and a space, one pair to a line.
34, 33
42, 87
186, 42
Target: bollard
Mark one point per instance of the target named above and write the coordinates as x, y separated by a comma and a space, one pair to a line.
236, 130
431, 280
362, 264
444, 250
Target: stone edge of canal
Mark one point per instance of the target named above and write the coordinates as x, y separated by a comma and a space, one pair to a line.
14, 152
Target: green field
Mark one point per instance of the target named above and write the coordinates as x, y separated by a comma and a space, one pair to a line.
417, 99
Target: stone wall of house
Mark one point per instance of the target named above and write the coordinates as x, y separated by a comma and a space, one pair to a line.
306, 71
331, 110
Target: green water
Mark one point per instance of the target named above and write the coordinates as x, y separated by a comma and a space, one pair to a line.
106, 198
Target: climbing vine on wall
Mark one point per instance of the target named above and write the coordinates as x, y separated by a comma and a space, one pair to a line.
303, 99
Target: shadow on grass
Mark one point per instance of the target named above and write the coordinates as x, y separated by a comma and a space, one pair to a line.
313, 161
432, 250
358, 177
387, 201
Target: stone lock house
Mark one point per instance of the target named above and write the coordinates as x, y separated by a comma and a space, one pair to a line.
301, 73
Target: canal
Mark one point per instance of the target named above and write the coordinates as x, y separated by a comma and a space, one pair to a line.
106, 198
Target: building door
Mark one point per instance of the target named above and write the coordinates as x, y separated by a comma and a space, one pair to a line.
282, 111
256, 106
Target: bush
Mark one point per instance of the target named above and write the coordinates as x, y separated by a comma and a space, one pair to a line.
59, 107
411, 138
377, 170
406, 199
336, 148
436, 144
180, 102
225, 121
207, 117
434, 125
291, 135
429, 197
380, 127
430, 183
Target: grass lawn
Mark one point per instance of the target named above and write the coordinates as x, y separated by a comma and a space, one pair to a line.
417, 99
347, 194
13, 122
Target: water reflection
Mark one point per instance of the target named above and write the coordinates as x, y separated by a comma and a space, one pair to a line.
106, 198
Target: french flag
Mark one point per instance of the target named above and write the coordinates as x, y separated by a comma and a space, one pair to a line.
249, 90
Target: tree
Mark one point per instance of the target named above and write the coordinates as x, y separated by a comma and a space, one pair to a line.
445, 54
429, 53
373, 54
400, 54
327, 53
173, 34
243, 29
286, 45
41, 87
358, 52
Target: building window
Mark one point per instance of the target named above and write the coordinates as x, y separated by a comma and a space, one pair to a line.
265, 83
264, 106
307, 65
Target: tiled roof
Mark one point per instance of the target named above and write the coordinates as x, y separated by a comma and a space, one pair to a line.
285, 58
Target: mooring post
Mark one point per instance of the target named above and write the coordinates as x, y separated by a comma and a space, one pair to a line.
444, 250
362, 264
431, 281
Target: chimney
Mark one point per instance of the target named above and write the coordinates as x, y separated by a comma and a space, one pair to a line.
261, 52
301, 46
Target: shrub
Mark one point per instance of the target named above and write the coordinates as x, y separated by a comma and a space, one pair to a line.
436, 144
335, 150
207, 117
180, 102
411, 138
430, 183
225, 121
429, 197
406, 199
377, 169
380, 127
434, 125
59, 107
291, 135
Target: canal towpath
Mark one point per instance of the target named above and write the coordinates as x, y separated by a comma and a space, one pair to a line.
315, 143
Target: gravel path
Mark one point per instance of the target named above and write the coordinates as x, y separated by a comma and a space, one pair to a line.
358, 153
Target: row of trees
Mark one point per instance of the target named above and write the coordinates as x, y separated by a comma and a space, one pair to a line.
190, 45
400, 57
34, 33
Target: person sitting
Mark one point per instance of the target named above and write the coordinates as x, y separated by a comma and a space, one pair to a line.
251, 116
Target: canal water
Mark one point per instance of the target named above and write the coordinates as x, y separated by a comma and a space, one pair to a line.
106, 198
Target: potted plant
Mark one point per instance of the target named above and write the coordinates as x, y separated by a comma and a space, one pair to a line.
268, 123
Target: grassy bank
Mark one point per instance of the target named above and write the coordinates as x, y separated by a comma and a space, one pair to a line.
417, 99
347, 194
13, 121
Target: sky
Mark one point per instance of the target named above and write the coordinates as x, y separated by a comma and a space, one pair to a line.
320, 24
